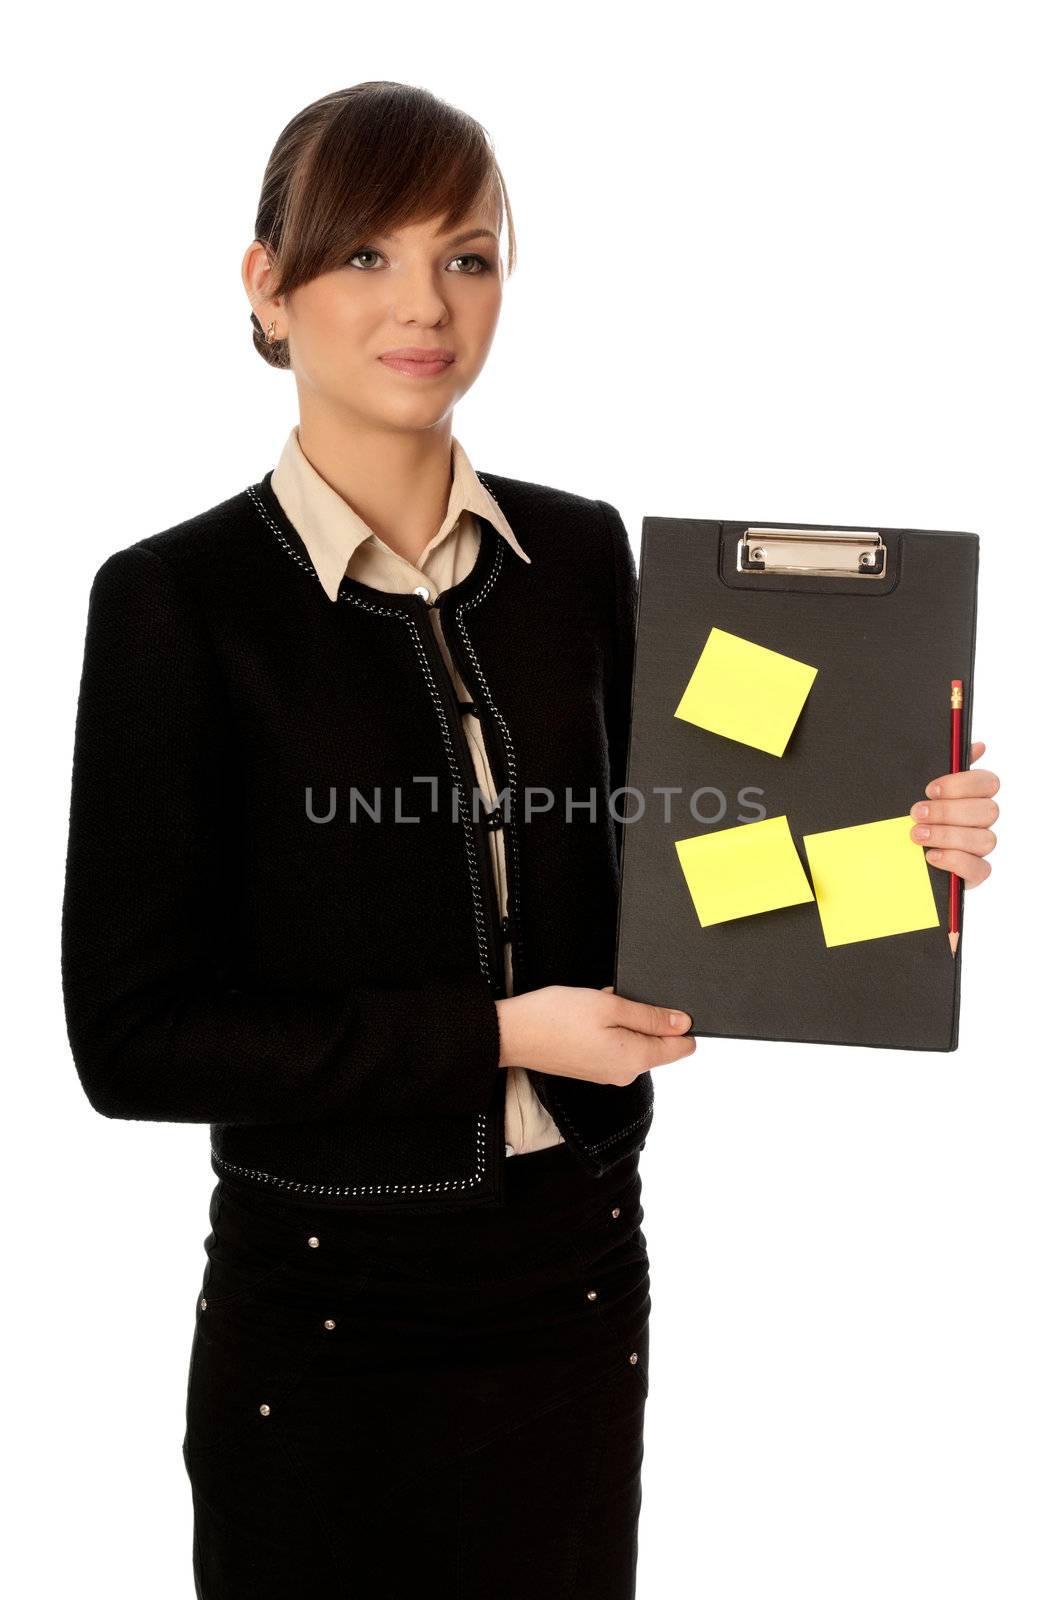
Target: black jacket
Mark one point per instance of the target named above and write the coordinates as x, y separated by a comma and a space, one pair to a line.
322, 992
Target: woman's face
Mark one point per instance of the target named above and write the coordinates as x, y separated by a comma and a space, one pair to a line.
416, 289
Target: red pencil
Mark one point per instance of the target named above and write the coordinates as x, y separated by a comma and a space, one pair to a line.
956, 701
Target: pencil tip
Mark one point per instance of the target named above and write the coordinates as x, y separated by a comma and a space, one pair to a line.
954, 940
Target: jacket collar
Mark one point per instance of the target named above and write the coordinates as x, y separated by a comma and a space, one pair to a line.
332, 531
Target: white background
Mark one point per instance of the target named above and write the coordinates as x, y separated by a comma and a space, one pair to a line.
794, 262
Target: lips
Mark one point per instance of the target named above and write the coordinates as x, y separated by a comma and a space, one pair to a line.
418, 353
414, 362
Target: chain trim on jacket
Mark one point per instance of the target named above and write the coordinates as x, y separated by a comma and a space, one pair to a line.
470, 853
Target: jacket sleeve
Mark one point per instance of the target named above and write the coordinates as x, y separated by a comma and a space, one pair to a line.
619, 683
156, 1033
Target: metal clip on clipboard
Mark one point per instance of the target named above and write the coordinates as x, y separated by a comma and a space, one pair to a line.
824, 552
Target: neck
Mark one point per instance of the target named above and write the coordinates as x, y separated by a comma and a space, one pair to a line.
398, 480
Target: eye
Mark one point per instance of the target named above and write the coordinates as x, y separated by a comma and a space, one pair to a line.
481, 266
485, 266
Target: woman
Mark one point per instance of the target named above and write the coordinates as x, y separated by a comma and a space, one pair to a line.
420, 1359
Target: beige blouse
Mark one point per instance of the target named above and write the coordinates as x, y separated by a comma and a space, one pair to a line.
340, 544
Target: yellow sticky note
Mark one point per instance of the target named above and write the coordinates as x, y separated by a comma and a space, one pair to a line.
740, 871
871, 880
746, 692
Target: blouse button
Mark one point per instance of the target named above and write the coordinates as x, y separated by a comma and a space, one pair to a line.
425, 594
616, 1211
313, 1241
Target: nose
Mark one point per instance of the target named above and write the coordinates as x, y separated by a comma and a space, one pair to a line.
419, 300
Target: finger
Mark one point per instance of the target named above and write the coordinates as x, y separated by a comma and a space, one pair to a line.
608, 989
972, 869
975, 841
965, 813
977, 752
954, 785
640, 1017
662, 1052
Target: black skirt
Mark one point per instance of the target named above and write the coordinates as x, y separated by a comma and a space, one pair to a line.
430, 1405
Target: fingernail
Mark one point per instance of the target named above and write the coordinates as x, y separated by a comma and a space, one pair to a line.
922, 811
934, 790
922, 833
934, 855
679, 1019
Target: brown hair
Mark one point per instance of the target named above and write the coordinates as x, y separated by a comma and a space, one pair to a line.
361, 162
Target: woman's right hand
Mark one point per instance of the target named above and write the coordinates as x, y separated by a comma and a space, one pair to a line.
589, 1033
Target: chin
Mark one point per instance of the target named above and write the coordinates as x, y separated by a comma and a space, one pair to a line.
413, 407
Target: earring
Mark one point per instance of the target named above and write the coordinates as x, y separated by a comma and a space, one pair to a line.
269, 333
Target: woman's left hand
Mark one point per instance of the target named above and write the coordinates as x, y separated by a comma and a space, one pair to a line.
955, 820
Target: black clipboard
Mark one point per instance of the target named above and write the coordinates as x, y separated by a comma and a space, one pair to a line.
888, 616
